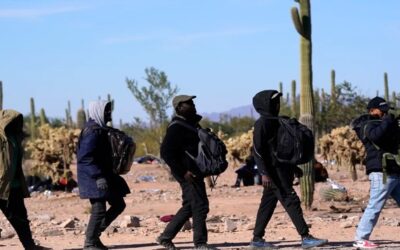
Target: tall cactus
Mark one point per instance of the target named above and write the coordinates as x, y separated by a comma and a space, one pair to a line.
112, 108
43, 118
394, 99
293, 106
32, 125
386, 86
302, 23
1, 95
68, 117
333, 89
81, 116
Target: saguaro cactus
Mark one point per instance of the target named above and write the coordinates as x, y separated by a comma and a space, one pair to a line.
293, 106
333, 89
302, 23
32, 125
386, 86
43, 118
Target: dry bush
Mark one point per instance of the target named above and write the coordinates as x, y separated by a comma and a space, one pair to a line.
239, 147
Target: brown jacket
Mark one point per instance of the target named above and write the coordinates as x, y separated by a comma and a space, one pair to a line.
6, 117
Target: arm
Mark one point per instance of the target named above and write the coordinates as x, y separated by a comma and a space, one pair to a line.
172, 152
260, 144
376, 132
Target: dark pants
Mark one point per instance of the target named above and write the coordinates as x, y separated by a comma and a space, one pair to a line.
101, 218
15, 211
195, 205
283, 191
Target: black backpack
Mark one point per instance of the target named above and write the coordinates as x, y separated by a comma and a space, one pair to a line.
211, 154
123, 149
294, 142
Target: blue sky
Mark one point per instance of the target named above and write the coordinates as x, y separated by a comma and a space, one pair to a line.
223, 51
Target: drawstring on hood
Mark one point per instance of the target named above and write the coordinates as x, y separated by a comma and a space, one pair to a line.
96, 112
266, 102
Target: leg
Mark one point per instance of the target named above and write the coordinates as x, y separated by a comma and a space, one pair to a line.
396, 190
183, 214
378, 195
16, 213
200, 208
264, 214
117, 206
96, 217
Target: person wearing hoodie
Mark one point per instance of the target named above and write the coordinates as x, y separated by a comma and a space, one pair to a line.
380, 134
276, 177
177, 140
13, 188
96, 180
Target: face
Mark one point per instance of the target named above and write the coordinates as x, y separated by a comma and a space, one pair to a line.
186, 109
376, 112
107, 113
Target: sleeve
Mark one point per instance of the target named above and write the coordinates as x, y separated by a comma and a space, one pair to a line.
172, 152
376, 132
260, 146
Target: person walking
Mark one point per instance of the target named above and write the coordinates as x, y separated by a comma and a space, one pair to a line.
13, 188
380, 134
177, 141
277, 178
96, 180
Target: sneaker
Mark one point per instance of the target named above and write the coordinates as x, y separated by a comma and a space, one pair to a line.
364, 244
167, 244
205, 247
309, 241
97, 246
261, 245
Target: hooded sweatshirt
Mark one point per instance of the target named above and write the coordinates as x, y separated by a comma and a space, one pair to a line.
11, 174
266, 103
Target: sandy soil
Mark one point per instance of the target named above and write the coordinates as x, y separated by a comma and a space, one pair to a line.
229, 208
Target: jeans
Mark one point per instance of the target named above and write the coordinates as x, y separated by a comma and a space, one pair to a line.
15, 211
283, 191
100, 218
379, 193
195, 204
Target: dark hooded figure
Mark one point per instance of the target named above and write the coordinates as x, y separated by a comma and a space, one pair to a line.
13, 188
96, 180
276, 177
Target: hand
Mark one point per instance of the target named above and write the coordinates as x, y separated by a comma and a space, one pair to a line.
266, 181
189, 176
102, 184
298, 172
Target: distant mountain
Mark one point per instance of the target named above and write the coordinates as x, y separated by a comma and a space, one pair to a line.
241, 111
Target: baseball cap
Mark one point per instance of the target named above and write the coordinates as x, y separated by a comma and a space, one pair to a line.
181, 98
378, 103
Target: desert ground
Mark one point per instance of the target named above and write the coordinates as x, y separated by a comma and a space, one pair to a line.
58, 219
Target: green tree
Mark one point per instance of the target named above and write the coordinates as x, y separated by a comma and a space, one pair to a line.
155, 99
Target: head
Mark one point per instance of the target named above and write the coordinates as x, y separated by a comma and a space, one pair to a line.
100, 112
378, 107
184, 105
267, 102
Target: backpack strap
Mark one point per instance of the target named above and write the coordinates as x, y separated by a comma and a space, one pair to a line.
184, 124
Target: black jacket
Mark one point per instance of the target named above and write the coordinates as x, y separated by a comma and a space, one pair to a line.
265, 130
177, 140
385, 134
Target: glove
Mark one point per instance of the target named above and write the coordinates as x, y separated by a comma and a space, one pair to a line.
102, 184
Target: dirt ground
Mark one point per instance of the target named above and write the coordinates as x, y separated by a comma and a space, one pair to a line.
230, 221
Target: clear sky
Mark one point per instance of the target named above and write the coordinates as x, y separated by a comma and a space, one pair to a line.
223, 51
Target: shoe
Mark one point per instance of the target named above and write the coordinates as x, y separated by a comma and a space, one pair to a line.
364, 244
205, 247
261, 245
97, 246
309, 241
167, 244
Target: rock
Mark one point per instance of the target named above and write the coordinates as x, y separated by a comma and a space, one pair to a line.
250, 226
346, 224
70, 223
7, 234
130, 221
44, 217
52, 232
229, 225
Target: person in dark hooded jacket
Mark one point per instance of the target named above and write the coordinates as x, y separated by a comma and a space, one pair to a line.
177, 140
276, 177
96, 180
380, 134
13, 187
